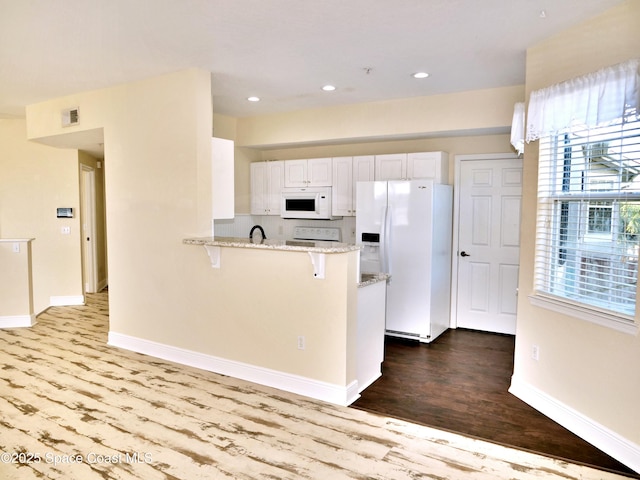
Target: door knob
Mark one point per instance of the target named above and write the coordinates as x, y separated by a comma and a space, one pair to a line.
464, 254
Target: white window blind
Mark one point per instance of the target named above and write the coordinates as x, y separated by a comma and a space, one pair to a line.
588, 224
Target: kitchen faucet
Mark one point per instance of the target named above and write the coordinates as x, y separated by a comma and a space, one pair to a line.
264, 237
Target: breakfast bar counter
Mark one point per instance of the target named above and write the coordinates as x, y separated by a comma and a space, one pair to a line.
311, 246
272, 244
290, 314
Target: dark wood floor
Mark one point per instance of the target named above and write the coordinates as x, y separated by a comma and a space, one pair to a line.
459, 383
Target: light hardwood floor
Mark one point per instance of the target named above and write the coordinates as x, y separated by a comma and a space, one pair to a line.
72, 407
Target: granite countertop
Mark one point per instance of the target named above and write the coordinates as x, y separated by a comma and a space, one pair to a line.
269, 244
371, 278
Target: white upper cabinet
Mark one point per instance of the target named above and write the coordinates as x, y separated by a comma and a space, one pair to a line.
391, 167
347, 171
314, 172
432, 165
363, 171
267, 180
342, 173
319, 172
295, 173
222, 178
342, 191
403, 166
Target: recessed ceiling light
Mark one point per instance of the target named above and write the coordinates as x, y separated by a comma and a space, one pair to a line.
420, 75
254, 99
328, 88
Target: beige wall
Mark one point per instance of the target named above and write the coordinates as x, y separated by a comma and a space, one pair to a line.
35, 180
243, 157
592, 369
459, 123
436, 115
258, 302
157, 170
157, 137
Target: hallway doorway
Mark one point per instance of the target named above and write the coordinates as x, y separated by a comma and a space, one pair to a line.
92, 224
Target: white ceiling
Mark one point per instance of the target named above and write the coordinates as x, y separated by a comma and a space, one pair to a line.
280, 50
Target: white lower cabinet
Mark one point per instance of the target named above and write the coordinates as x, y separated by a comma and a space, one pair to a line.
267, 181
371, 324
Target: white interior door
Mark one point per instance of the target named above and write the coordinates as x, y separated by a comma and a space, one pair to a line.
88, 217
488, 243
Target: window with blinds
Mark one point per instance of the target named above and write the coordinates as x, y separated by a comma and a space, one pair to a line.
588, 225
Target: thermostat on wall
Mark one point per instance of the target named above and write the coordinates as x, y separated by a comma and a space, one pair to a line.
65, 212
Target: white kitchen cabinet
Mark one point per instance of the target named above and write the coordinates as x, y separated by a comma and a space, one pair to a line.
342, 188
347, 171
371, 330
432, 165
222, 178
412, 166
295, 173
267, 181
391, 167
312, 172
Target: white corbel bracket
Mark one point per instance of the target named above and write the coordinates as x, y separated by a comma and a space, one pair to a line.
317, 260
214, 255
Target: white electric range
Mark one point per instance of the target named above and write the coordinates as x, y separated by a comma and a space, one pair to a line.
316, 234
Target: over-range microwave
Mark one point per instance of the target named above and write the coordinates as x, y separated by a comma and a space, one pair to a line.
306, 202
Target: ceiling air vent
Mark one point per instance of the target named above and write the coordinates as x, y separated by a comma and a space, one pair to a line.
70, 117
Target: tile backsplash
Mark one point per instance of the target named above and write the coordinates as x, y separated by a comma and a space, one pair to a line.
279, 228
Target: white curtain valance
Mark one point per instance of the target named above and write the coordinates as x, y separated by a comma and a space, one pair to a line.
590, 100
517, 128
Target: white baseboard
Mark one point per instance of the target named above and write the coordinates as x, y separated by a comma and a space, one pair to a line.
13, 321
367, 383
616, 446
328, 392
63, 301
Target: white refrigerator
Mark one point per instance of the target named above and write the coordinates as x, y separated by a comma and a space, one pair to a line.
405, 228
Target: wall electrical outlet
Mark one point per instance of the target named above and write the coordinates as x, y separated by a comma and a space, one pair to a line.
301, 342
65, 230
535, 352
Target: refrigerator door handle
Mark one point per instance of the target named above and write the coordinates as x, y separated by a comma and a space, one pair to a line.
383, 234
385, 239
388, 239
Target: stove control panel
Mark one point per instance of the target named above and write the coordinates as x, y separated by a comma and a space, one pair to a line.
328, 234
